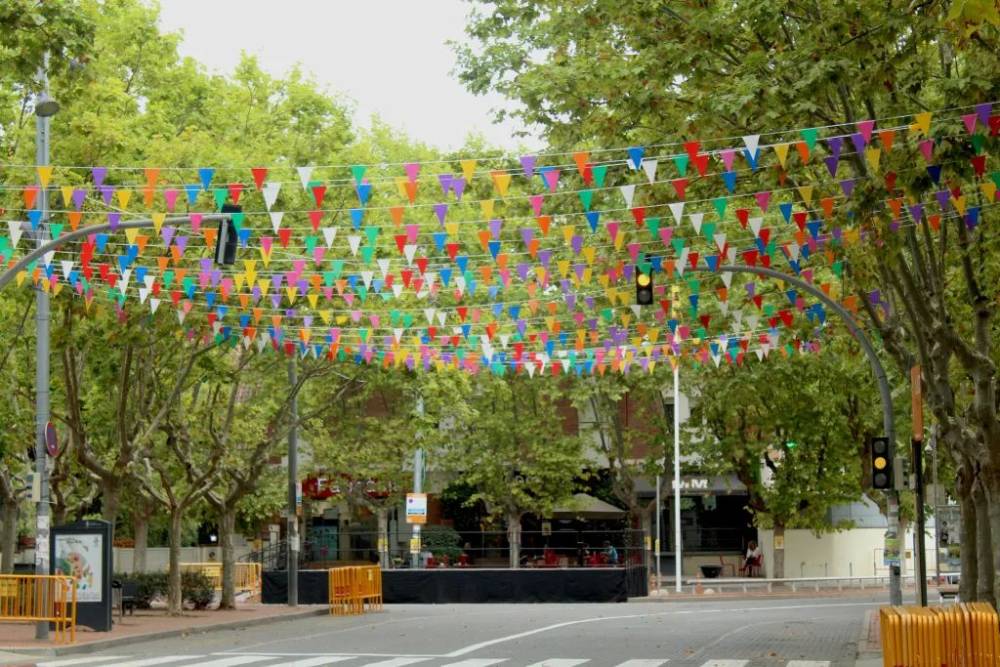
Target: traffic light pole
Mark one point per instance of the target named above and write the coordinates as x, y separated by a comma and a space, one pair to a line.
888, 420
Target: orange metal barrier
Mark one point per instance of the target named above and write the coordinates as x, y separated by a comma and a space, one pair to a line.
355, 589
247, 576
33, 597
962, 635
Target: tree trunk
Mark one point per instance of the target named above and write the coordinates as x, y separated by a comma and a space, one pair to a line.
994, 511
111, 495
227, 528
175, 596
140, 531
967, 545
382, 539
514, 539
779, 554
8, 537
984, 544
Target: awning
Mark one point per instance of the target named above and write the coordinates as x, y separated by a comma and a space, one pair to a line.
586, 506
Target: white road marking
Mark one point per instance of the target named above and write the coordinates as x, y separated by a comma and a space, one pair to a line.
808, 663
312, 662
162, 660
561, 662
476, 662
642, 663
726, 663
680, 612
396, 662
232, 661
80, 661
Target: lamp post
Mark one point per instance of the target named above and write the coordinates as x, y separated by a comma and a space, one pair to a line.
45, 108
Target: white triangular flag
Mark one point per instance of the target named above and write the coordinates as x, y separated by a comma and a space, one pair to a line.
15, 231
409, 251
752, 141
276, 220
755, 225
628, 192
329, 234
649, 166
696, 219
383, 265
305, 173
154, 304
677, 209
366, 278
270, 192
355, 242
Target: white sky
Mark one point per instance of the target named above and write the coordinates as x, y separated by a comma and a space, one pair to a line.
389, 56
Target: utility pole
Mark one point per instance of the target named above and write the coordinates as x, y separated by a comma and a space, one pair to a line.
418, 487
917, 407
293, 478
44, 110
678, 547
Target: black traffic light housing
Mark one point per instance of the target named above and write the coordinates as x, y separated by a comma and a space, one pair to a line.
225, 243
643, 286
881, 463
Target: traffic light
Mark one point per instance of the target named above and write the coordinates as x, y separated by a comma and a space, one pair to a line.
644, 286
881, 464
225, 243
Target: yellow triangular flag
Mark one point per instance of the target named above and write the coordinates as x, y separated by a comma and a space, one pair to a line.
123, 197
502, 182
922, 123
781, 150
486, 206
158, 219
67, 193
806, 192
130, 235
468, 170
873, 155
44, 176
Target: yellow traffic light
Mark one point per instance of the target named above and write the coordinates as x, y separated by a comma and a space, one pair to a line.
643, 279
880, 463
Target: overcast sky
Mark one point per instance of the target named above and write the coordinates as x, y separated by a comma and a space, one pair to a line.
390, 56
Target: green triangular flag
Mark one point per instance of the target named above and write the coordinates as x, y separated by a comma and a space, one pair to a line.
358, 171
682, 164
220, 197
653, 225
720, 204
600, 172
810, 136
585, 198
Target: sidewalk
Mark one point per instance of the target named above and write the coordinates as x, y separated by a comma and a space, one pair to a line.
145, 625
665, 595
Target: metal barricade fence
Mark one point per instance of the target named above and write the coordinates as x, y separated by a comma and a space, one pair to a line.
247, 576
962, 635
32, 597
355, 589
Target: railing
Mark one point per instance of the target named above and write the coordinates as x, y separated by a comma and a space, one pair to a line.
247, 576
355, 589
474, 549
50, 598
962, 634
794, 583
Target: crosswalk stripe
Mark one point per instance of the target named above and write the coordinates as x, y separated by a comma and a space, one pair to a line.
726, 663
235, 660
476, 662
80, 661
808, 663
560, 662
311, 662
639, 662
396, 662
149, 662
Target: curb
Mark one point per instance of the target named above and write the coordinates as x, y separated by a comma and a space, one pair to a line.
101, 644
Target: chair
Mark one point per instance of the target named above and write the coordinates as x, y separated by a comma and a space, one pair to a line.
724, 564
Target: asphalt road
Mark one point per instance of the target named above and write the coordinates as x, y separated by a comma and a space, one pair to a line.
747, 633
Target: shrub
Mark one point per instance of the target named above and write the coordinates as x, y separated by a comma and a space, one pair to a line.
196, 588
442, 541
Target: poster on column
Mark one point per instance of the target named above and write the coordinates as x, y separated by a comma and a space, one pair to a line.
80, 556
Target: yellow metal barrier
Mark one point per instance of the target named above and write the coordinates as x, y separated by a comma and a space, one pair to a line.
247, 576
49, 598
962, 635
355, 589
